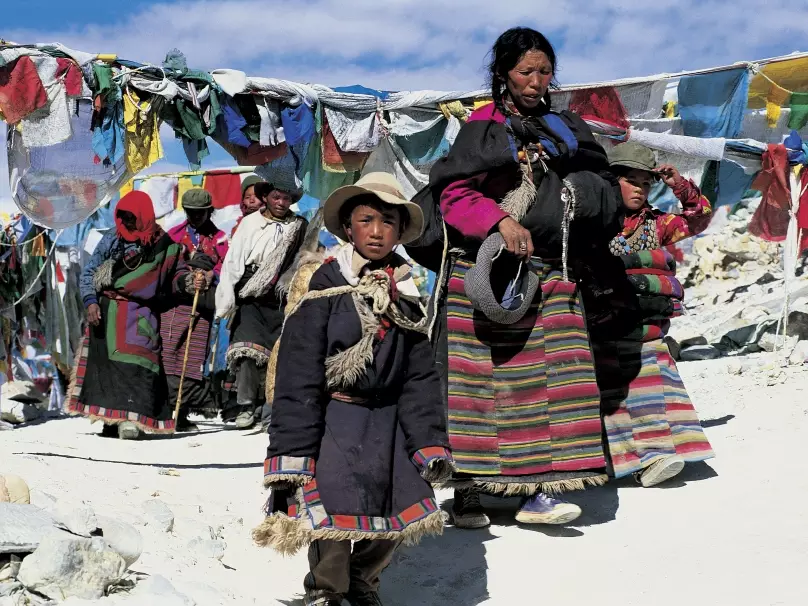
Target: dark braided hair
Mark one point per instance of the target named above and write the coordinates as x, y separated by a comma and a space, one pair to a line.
507, 51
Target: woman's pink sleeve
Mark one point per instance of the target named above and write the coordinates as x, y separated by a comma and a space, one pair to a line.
470, 212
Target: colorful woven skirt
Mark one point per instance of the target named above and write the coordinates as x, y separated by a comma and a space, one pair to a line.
117, 376
647, 414
174, 332
524, 406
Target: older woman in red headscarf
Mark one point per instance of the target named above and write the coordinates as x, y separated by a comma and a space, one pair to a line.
133, 270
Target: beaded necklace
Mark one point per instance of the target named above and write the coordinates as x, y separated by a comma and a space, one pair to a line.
643, 238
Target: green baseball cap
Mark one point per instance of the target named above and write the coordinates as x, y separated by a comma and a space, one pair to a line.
249, 181
197, 199
633, 155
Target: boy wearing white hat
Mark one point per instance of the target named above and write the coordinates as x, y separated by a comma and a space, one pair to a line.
358, 429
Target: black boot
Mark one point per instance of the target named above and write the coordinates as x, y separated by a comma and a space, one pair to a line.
183, 424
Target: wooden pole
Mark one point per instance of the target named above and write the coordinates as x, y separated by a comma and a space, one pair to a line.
185, 359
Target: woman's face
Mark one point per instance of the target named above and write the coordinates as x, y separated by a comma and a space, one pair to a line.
250, 203
530, 79
128, 219
635, 186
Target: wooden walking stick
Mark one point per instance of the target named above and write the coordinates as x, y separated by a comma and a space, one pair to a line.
187, 350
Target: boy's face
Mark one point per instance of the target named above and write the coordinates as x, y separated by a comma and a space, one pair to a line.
636, 185
278, 203
374, 233
197, 217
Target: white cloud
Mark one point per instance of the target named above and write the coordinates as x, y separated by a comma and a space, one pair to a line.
410, 44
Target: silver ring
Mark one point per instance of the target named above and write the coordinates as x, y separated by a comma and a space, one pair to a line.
522, 246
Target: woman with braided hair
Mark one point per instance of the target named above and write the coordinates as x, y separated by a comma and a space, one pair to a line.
522, 397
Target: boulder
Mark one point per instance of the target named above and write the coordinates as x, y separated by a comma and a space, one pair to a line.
23, 527
65, 566
122, 538
159, 515
770, 341
13, 489
9, 567
800, 354
16, 413
80, 520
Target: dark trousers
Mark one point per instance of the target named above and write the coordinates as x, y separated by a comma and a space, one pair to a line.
335, 569
249, 379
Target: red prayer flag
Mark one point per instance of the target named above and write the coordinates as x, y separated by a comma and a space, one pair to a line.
224, 188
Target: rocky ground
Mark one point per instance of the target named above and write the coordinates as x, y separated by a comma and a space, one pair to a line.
176, 512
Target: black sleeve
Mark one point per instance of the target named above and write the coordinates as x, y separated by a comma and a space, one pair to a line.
591, 156
421, 411
298, 411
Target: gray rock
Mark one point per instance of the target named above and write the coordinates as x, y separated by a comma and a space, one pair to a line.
43, 500
9, 589
800, 354
159, 515
10, 569
737, 368
63, 567
700, 352
16, 413
80, 520
207, 548
158, 590
770, 341
122, 538
23, 527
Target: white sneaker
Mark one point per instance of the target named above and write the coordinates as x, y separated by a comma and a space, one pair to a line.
662, 470
544, 509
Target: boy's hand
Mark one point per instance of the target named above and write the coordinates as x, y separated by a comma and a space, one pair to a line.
669, 175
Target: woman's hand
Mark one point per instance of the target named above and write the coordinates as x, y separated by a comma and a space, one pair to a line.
94, 314
517, 239
200, 281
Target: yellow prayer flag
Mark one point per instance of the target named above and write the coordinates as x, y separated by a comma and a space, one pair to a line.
790, 75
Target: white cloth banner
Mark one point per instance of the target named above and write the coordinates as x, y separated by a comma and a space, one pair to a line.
162, 191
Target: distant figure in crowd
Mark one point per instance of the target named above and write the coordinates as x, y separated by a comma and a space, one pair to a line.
132, 273
358, 428
524, 407
251, 200
262, 249
649, 420
204, 247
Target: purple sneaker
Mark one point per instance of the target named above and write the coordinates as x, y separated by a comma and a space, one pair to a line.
543, 509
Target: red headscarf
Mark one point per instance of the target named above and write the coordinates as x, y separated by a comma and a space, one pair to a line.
139, 204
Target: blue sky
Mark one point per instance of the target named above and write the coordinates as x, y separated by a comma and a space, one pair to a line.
410, 44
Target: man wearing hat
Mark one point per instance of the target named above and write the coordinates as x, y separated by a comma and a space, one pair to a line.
645, 227
262, 249
204, 247
358, 416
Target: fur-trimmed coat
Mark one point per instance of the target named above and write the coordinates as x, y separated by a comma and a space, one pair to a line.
356, 457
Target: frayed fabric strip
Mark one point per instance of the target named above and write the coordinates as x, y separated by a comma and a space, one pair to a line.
236, 353
509, 489
289, 535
